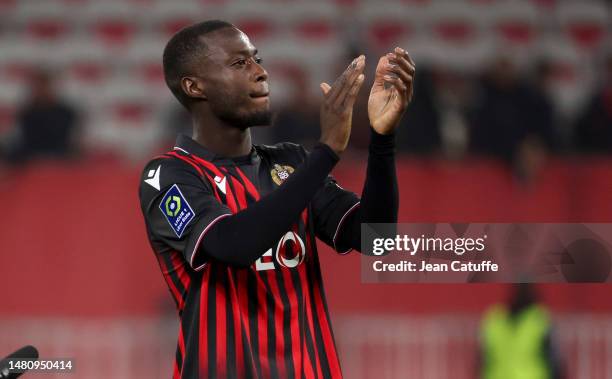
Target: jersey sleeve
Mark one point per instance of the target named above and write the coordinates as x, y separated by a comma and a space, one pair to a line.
331, 206
179, 206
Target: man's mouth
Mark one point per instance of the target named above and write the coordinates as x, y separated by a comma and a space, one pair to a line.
259, 95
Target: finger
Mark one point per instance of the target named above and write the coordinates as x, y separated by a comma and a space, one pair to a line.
344, 91
349, 100
406, 77
339, 82
325, 88
405, 55
346, 79
403, 62
335, 87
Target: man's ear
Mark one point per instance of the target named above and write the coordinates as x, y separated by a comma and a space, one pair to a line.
193, 87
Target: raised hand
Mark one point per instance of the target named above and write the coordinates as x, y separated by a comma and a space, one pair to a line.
337, 108
392, 91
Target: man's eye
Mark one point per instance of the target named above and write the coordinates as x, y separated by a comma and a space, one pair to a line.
243, 62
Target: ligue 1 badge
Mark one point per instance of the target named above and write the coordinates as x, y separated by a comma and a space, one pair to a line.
280, 173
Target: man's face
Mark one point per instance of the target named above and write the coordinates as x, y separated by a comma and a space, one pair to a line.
235, 83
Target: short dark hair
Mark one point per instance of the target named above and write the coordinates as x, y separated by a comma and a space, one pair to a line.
181, 51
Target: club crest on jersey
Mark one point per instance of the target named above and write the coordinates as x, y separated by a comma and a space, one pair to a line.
177, 210
281, 173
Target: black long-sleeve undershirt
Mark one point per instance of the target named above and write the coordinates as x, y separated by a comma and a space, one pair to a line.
380, 196
242, 238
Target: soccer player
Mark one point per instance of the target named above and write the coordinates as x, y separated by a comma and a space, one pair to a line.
233, 224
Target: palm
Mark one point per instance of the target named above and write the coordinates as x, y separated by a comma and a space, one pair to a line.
386, 105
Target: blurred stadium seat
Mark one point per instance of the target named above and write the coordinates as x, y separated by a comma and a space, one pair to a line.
452, 22
316, 22
112, 23
586, 23
515, 22
166, 18
385, 26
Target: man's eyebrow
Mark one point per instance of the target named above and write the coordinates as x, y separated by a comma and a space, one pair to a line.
246, 52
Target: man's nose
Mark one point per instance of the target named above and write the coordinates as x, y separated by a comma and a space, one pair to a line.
261, 75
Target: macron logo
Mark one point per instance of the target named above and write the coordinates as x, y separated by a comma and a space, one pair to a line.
153, 178
220, 182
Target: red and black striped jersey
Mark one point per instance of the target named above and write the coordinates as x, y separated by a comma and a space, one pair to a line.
268, 320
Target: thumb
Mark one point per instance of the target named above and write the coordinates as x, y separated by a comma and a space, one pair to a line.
325, 88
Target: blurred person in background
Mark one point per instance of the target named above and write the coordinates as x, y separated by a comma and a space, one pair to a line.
542, 137
512, 119
420, 129
298, 120
46, 125
593, 130
452, 93
516, 339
